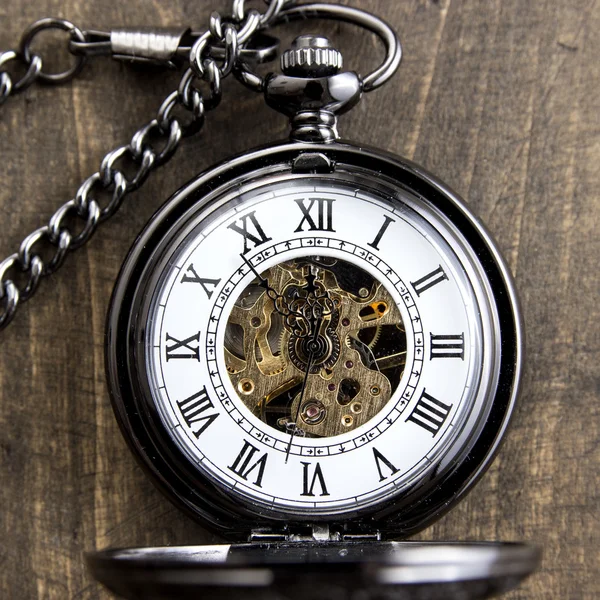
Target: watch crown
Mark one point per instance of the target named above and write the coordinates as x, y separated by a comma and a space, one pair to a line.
311, 56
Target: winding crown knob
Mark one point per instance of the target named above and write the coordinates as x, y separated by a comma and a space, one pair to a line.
311, 56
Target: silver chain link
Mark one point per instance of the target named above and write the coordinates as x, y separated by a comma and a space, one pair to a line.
75, 222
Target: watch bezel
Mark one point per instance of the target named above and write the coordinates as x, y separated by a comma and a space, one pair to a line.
159, 455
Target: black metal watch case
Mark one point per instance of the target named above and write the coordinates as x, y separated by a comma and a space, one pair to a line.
140, 423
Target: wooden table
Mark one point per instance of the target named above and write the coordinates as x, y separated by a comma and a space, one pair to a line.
499, 99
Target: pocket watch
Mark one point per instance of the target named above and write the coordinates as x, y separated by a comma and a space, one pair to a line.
313, 348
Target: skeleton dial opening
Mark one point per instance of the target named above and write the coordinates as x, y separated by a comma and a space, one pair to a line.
314, 347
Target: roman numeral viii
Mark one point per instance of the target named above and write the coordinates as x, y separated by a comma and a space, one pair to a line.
187, 348
447, 346
309, 484
324, 214
194, 409
190, 276
244, 466
430, 413
251, 231
431, 279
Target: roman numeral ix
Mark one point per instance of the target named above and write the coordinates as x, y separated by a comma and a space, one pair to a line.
244, 467
324, 214
190, 276
193, 411
430, 413
309, 489
187, 348
257, 237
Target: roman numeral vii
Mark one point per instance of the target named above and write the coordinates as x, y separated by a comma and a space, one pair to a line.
244, 465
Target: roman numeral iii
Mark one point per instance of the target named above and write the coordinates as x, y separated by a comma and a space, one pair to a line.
447, 346
244, 466
430, 413
187, 348
309, 484
324, 214
251, 231
193, 410
431, 279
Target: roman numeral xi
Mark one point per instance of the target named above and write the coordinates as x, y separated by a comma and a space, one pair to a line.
251, 230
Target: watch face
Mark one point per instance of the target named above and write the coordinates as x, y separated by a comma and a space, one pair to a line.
312, 346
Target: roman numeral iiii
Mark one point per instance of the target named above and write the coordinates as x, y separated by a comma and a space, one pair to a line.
430, 413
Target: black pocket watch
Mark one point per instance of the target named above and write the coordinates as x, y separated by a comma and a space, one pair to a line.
313, 348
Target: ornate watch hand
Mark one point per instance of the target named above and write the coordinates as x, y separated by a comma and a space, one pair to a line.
311, 356
272, 293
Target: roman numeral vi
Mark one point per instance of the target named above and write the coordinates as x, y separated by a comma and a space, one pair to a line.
309, 489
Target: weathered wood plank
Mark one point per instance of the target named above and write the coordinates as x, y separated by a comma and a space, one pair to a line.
500, 99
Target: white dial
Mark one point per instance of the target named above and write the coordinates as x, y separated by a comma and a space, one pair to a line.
404, 345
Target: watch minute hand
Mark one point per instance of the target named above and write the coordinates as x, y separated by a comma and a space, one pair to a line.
317, 325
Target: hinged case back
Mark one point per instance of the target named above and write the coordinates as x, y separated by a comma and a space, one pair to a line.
311, 570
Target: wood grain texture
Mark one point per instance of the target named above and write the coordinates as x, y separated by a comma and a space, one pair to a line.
498, 98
